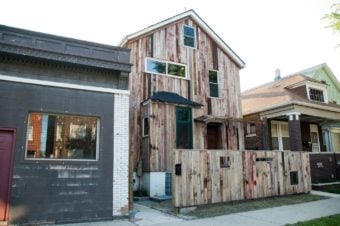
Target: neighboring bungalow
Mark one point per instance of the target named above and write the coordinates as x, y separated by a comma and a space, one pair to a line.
331, 132
185, 94
63, 129
288, 114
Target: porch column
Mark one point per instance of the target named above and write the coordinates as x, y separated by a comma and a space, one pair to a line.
294, 132
265, 135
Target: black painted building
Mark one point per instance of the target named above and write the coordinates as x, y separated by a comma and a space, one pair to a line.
63, 127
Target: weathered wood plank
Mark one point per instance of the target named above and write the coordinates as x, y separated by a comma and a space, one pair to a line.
248, 175
166, 43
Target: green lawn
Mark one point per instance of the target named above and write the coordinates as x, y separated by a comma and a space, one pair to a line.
335, 188
324, 221
242, 206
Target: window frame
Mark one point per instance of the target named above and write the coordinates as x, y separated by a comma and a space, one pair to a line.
143, 127
319, 87
98, 128
166, 68
218, 84
189, 123
279, 132
249, 133
310, 89
194, 37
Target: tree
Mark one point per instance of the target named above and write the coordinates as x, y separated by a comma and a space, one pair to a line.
333, 18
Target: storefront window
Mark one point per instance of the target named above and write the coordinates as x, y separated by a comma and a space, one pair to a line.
57, 136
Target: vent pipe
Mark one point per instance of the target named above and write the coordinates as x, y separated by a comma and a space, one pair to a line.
277, 74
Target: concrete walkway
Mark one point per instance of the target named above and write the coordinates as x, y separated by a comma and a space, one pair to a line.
265, 217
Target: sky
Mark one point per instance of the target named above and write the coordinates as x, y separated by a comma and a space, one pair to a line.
266, 34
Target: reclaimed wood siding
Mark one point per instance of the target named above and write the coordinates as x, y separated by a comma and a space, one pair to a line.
163, 136
145, 149
166, 43
250, 175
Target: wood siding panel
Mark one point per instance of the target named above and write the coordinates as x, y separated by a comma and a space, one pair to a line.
249, 175
166, 43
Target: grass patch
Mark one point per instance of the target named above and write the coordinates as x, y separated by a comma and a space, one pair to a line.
334, 188
324, 221
213, 210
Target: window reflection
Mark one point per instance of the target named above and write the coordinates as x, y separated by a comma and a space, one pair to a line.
62, 136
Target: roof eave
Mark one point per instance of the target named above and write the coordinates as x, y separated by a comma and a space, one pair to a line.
191, 13
312, 105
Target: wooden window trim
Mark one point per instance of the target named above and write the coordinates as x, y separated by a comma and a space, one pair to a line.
218, 84
195, 39
166, 69
310, 86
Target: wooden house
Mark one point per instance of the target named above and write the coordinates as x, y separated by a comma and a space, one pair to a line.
185, 93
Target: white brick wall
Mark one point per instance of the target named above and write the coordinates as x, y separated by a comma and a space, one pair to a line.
121, 155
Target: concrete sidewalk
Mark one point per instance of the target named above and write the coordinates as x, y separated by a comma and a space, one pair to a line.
265, 217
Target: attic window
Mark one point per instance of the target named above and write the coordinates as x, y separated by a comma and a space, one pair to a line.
189, 34
316, 95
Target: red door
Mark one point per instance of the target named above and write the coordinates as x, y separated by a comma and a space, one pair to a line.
7, 138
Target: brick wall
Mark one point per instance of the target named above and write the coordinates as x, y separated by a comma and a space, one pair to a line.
34, 144
324, 167
253, 142
121, 155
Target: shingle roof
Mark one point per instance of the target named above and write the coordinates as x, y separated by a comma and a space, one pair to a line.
276, 93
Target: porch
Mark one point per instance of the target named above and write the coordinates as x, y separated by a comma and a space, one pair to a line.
302, 128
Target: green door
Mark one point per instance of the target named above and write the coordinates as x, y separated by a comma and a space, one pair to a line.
183, 128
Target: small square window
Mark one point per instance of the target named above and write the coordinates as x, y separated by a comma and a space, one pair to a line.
176, 69
178, 169
316, 95
294, 179
251, 129
154, 66
189, 34
145, 127
224, 162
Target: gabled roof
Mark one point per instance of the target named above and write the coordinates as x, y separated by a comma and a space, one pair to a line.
173, 98
277, 94
193, 15
313, 71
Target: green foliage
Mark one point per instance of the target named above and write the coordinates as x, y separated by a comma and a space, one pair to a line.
333, 18
324, 221
335, 188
